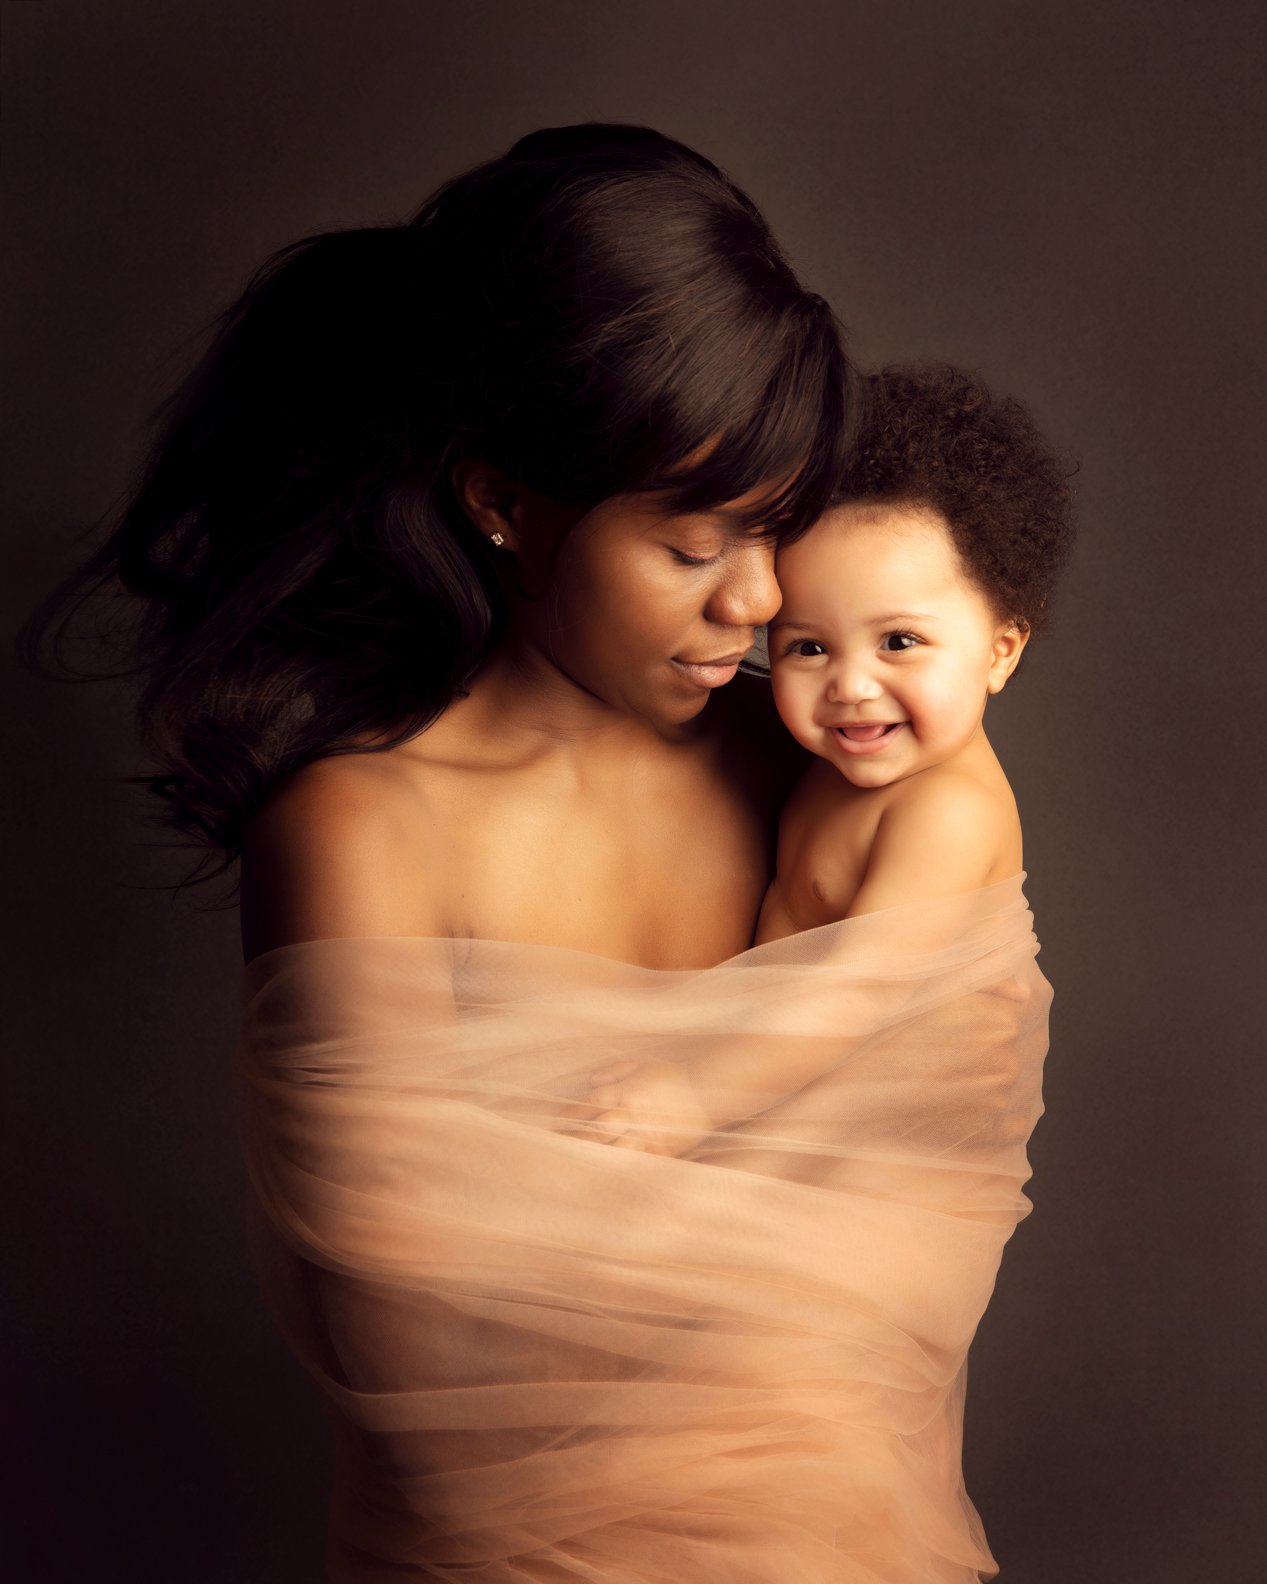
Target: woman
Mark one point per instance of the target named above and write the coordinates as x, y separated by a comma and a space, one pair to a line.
449, 558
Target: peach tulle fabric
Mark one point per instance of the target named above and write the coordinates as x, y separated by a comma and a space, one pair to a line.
553, 1360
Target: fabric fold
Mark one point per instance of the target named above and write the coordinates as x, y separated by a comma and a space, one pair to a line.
550, 1359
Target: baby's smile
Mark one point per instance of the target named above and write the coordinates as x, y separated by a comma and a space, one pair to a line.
866, 738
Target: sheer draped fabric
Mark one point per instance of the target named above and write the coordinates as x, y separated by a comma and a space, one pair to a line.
550, 1359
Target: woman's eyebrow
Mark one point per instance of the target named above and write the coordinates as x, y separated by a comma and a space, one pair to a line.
749, 518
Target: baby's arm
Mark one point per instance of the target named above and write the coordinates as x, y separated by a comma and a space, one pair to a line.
941, 837
938, 839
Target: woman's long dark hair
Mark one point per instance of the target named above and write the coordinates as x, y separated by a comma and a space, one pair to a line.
598, 311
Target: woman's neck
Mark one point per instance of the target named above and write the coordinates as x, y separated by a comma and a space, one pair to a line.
521, 698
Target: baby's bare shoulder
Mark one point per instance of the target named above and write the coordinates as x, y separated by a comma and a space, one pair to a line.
947, 801
939, 834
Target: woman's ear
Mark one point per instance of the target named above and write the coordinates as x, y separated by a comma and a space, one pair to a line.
490, 500
1009, 642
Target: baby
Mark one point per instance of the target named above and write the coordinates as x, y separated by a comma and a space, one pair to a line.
904, 609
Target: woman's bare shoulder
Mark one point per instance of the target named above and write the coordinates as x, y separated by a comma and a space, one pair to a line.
339, 850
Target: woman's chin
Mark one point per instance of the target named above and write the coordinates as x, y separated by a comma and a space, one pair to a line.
669, 714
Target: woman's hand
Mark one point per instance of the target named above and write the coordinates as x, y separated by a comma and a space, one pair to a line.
650, 1106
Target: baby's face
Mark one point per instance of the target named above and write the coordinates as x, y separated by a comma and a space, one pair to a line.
883, 652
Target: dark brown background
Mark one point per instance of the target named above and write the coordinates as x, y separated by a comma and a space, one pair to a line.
1067, 196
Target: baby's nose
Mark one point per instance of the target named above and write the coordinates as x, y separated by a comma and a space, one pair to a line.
852, 684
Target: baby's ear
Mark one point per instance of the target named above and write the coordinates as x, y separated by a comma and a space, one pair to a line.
1010, 639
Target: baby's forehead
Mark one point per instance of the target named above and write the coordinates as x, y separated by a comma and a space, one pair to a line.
896, 517
871, 536
871, 555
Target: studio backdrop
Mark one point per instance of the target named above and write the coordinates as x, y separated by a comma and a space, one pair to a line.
1065, 196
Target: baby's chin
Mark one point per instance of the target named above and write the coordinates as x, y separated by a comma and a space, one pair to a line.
872, 772
871, 777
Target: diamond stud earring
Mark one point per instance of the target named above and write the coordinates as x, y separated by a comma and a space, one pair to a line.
499, 540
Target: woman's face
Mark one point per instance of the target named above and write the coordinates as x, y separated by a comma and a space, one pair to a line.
645, 611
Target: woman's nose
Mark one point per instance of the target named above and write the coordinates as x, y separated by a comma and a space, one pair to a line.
749, 595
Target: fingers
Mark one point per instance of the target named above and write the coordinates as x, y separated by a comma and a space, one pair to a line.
614, 1072
573, 1118
608, 1097
617, 1129
635, 1141
609, 1126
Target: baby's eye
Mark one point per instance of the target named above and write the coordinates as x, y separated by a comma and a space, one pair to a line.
807, 648
896, 642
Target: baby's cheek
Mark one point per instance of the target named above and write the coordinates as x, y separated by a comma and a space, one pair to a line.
944, 706
793, 702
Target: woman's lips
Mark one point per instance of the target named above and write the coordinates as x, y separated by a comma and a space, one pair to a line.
710, 673
868, 739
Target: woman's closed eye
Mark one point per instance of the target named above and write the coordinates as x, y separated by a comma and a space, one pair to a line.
686, 559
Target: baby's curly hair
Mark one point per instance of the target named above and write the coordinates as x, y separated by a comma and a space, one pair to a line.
935, 436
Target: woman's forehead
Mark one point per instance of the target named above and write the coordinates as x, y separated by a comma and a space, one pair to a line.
650, 511
690, 477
